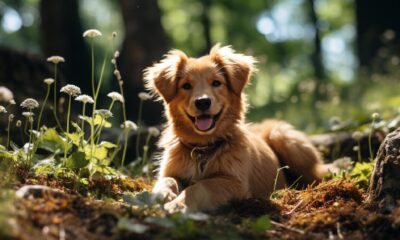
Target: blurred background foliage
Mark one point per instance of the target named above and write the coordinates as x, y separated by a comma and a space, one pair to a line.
317, 59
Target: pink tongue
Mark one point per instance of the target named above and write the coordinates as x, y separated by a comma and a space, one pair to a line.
204, 123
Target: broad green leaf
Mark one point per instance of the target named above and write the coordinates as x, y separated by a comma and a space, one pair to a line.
76, 160
98, 152
52, 142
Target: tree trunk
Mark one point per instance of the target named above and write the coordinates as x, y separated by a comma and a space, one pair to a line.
373, 19
144, 43
385, 179
205, 21
316, 60
61, 34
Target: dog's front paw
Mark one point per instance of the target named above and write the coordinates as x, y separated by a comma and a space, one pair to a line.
175, 206
166, 194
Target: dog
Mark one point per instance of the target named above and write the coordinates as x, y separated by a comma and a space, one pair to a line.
210, 156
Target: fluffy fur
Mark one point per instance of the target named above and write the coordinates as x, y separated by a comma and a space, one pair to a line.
236, 160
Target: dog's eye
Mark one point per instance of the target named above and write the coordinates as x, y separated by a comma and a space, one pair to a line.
186, 86
216, 83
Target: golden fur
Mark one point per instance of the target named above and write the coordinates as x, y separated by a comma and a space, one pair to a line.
239, 160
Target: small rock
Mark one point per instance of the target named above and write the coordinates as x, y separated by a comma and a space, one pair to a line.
38, 191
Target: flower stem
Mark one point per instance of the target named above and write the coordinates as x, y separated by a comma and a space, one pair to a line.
30, 119
139, 125
83, 122
67, 133
359, 150
55, 99
41, 110
371, 154
8, 133
94, 104
125, 147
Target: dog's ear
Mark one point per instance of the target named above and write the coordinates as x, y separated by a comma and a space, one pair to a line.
161, 79
237, 67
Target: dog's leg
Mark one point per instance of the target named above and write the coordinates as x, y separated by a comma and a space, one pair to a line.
207, 194
293, 149
167, 188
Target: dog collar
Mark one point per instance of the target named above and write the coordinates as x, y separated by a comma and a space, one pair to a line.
201, 153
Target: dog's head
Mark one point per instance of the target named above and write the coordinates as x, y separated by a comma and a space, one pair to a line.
203, 96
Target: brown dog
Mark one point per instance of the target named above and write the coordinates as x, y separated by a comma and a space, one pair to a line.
210, 156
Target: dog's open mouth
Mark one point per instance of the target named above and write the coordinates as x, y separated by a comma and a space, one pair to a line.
205, 122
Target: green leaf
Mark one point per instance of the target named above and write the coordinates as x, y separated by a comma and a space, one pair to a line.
160, 221
259, 225
99, 153
52, 142
107, 145
77, 160
131, 226
97, 121
75, 138
144, 198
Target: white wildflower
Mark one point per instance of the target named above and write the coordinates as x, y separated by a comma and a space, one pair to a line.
71, 90
28, 114
12, 102
3, 109
116, 54
113, 61
144, 96
11, 117
56, 59
30, 103
84, 98
129, 125
116, 96
104, 113
92, 33
5, 94
114, 34
153, 131
357, 135
49, 81
375, 116
18, 123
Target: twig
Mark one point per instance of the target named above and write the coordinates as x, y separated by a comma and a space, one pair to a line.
295, 208
296, 230
339, 232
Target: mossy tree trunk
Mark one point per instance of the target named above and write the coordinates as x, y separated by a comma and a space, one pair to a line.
385, 180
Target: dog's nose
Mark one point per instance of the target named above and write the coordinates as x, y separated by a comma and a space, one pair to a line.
202, 103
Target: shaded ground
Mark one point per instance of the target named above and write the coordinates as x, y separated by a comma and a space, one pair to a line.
107, 209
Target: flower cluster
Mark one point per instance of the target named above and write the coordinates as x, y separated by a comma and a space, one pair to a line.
56, 59
104, 113
116, 96
129, 125
71, 90
6, 95
49, 81
30, 104
84, 99
92, 33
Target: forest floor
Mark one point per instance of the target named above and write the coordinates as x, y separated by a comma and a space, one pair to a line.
123, 209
